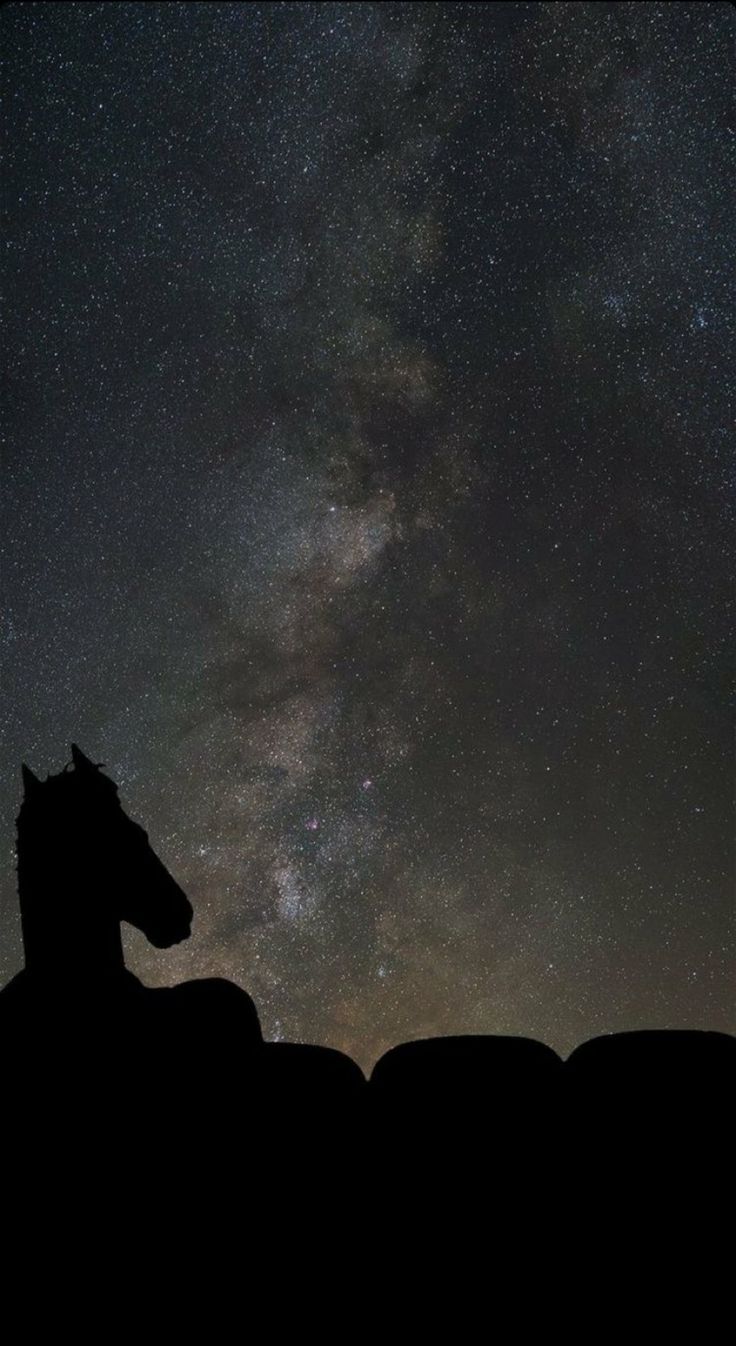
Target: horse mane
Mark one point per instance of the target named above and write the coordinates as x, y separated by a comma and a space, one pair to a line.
52, 800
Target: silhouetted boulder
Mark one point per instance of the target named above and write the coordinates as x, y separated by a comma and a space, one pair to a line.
656, 1066
487, 1074
308, 1077
652, 1088
464, 1105
298, 1093
650, 1124
463, 1130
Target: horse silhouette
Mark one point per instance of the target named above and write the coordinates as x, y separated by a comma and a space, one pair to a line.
83, 867
84, 1043
95, 1062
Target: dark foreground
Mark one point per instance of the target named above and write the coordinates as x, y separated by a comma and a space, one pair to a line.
151, 1138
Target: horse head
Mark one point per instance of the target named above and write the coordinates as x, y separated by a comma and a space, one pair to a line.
86, 863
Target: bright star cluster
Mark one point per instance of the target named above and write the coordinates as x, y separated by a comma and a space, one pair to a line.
369, 493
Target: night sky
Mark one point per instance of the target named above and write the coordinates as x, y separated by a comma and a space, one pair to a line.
368, 496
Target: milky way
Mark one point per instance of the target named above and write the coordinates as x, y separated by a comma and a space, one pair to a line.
368, 497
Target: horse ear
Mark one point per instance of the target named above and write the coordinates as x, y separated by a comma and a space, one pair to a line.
81, 762
31, 783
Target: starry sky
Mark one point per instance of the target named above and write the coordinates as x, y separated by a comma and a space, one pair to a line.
368, 496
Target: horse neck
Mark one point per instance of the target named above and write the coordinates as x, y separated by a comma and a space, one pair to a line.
67, 928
